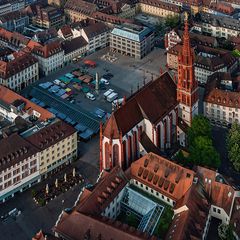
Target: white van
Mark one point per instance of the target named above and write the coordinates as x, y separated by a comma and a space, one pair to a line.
57, 82
90, 96
108, 92
105, 81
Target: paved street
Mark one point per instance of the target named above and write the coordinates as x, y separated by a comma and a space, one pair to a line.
219, 140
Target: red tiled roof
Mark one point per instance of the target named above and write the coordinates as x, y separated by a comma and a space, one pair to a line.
51, 134
66, 31
22, 61
221, 194
160, 94
104, 192
10, 96
190, 223
86, 219
48, 49
164, 176
214, 94
79, 226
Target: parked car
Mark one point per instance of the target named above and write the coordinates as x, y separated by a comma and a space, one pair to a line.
105, 81
90, 96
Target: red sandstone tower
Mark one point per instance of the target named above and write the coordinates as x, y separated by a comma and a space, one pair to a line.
187, 86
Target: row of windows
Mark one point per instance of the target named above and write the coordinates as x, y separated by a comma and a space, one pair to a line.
17, 179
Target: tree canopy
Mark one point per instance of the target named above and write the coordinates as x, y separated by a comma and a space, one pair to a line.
203, 153
201, 149
200, 127
233, 145
225, 232
172, 21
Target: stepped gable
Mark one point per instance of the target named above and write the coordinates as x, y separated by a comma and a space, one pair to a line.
160, 94
164, 176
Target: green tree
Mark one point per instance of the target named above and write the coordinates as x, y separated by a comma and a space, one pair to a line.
233, 145
159, 27
200, 127
225, 232
172, 21
202, 152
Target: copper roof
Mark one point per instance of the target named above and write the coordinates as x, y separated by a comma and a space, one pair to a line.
160, 94
166, 177
51, 134
14, 149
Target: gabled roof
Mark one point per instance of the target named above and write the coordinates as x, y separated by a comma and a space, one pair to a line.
13, 150
164, 176
221, 194
19, 63
66, 31
80, 226
94, 30
190, 223
10, 96
48, 49
104, 192
74, 44
51, 134
216, 95
160, 94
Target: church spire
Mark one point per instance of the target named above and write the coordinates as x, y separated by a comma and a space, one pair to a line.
187, 87
186, 51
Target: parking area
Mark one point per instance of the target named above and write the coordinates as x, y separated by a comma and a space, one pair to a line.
71, 93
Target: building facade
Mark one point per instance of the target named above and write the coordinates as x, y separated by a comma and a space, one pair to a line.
77, 47
96, 35
18, 71
158, 8
50, 57
57, 144
48, 17
222, 99
220, 26
19, 166
131, 40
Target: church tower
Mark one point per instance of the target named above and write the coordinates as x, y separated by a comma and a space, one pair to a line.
187, 86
